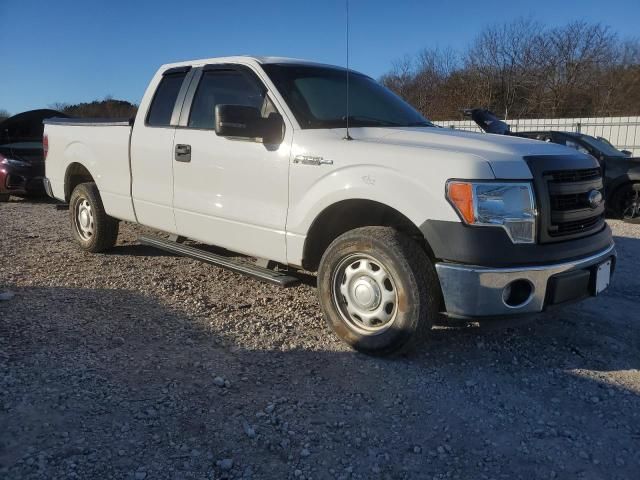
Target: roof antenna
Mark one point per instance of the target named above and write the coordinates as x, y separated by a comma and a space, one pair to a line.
347, 136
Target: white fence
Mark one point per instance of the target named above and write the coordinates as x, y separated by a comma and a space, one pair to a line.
623, 132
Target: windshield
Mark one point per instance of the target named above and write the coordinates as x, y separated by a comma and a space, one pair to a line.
317, 97
605, 147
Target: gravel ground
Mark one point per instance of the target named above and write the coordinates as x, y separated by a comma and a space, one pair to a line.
136, 364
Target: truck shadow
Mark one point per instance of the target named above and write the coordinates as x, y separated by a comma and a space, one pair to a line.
117, 368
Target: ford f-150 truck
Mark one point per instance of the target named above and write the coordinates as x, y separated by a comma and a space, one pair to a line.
401, 220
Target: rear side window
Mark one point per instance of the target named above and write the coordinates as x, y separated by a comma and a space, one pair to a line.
224, 87
165, 99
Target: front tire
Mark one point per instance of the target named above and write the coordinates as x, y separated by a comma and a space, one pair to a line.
626, 202
92, 228
378, 290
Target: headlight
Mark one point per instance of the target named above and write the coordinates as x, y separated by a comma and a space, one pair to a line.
509, 205
14, 163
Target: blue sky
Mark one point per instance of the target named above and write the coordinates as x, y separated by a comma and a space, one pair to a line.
73, 51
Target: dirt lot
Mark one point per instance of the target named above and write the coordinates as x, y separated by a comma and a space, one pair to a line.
137, 364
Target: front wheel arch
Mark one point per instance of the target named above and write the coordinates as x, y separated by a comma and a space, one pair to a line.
346, 215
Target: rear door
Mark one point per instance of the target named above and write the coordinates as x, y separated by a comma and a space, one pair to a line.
230, 192
151, 151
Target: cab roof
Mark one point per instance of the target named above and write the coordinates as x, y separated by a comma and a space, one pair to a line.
248, 59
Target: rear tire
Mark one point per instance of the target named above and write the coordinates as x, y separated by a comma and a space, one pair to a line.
378, 290
92, 228
4, 197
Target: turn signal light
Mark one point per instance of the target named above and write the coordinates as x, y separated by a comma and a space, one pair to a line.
461, 195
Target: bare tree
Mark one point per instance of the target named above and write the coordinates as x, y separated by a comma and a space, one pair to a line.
573, 61
502, 56
4, 114
522, 69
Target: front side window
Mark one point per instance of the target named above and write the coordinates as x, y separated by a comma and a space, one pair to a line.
317, 97
164, 100
226, 87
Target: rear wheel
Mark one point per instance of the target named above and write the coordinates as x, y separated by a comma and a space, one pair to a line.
627, 202
4, 197
378, 290
92, 228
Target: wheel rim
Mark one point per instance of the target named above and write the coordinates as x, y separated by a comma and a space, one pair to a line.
84, 221
631, 205
365, 294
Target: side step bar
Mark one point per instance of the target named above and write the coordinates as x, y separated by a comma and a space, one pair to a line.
281, 279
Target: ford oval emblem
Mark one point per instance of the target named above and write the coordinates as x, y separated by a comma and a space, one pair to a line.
595, 198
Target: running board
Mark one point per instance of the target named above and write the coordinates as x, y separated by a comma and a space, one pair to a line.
281, 279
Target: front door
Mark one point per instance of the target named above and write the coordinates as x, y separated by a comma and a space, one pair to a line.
229, 192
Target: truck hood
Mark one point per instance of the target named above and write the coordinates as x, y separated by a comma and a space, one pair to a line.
503, 153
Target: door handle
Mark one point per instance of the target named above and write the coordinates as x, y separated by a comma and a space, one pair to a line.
183, 153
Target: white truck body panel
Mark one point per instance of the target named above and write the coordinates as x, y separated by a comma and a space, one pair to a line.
104, 152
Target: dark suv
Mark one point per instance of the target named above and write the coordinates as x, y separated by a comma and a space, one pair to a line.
22, 154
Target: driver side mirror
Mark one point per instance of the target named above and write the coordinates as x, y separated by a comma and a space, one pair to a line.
241, 121
628, 153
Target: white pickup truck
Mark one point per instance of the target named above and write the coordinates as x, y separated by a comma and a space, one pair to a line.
402, 221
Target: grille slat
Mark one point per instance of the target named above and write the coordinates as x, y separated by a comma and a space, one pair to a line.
568, 176
577, 226
572, 201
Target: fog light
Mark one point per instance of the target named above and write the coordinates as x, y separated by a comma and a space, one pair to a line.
517, 293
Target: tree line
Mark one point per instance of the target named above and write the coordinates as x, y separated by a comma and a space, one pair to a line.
524, 69
107, 108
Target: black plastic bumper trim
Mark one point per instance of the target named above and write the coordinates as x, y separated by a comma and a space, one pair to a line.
491, 246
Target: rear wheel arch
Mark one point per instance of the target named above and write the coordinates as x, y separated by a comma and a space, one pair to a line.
346, 215
75, 174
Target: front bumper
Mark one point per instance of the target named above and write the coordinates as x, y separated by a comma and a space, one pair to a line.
473, 291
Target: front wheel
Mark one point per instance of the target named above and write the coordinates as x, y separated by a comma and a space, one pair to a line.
627, 202
378, 290
92, 228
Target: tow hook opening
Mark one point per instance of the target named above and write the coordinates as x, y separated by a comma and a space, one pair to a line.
518, 293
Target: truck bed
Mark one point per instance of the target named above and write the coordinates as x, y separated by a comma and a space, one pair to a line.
101, 145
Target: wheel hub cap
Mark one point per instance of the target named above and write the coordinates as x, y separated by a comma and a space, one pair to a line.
365, 294
84, 219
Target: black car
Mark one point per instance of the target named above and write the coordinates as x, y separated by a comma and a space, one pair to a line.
621, 172
22, 154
